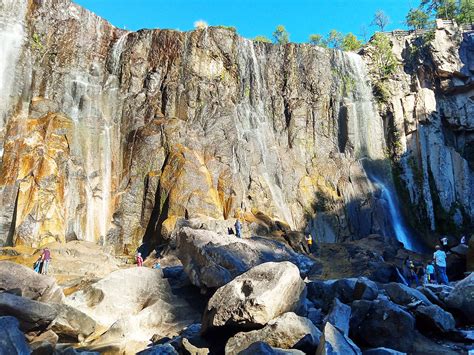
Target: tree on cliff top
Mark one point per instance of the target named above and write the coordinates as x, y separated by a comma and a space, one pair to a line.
380, 20
350, 43
417, 19
335, 39
445, 9
318, 40
281, 35
262, 39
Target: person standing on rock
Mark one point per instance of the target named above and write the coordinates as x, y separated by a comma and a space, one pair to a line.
463, 240
37, 265
139, 260
45, 260
439, 258
238, 228
309, 241
430, 271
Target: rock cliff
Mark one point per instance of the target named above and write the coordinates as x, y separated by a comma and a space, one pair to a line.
113, 136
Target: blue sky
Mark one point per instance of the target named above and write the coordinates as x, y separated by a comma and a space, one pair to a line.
252, 17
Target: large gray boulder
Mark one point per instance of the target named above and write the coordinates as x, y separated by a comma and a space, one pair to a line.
212, 260
134, 304
283, 332
322, 293
434, 318
28, 283
72, 324
381, 323
31, 314
12, 340
334, 342
339, 316
404, 295
254, 298
382, 351
461, 298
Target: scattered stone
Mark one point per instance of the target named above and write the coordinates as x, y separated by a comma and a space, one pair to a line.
254, 298
44, 342
404, 295
431, 296
164, 349
339, 316
382, 351
381, 323
284, 332
315, 315
12, 340
30, 284
31, 314
72, 324
261, 348
194, 350
434, 318
365, 289
322, 293
334, 342
461, 298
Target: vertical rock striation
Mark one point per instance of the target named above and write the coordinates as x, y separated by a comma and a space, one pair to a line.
112, 136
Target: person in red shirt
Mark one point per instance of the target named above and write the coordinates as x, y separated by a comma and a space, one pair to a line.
45, 259
139, 260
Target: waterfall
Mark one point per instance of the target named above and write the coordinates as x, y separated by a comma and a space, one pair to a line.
106, 182
12, 36
400, 230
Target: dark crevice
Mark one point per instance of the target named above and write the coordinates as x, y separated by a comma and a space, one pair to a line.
11, 232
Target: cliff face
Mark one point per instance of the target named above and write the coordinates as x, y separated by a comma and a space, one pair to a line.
112, 136
432, 127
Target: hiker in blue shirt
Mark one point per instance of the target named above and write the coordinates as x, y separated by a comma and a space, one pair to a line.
439, 258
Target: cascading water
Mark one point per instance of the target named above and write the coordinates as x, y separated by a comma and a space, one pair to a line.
12, 36
399, 229
253, 126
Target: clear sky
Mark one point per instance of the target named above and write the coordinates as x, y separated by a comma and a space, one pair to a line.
253, 17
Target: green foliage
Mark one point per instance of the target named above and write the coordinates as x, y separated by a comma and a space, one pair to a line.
350, 43
262, 39
318, 40
380, 20
466, 12
385, 63
417, 19
36, 42
444, 9
281, 35
228, 28
334, 39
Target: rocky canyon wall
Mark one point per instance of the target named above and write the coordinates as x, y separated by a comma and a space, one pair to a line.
431, 119
113, 136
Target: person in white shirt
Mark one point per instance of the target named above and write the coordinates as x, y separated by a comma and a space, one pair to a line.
439, 257
444, 243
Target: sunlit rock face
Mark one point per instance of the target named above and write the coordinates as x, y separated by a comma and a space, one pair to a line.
111, 136
432, 111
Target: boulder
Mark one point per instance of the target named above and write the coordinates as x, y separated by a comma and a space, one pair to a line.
322, 293
72, 351
339, 316
134, 304
193, 350
334, 342
381, 323
315, 315
72, 324
461, 298
434, 318
284, 332
254, 298
164, 349
212, 260
12, 340
261, 348
365, 289
44, 342
404, 295
31, 314
382, 351
441, 291
431, 296
29, 283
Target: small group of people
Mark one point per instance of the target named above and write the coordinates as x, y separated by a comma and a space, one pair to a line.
238, 229
433, 272
41, 265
